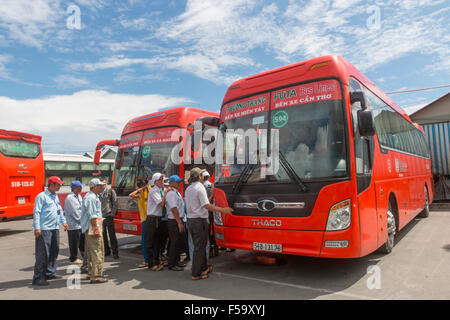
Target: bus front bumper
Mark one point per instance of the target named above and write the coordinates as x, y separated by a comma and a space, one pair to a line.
127, 226
324, 244
16, 211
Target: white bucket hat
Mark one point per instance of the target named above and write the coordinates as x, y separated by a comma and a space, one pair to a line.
156, 176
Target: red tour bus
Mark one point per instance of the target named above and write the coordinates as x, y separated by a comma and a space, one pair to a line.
353, 168
22, 175
145, 148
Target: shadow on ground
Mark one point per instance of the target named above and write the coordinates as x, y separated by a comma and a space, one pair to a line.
237, 275
9, 232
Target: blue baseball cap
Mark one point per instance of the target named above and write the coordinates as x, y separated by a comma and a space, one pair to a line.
175, 178
75, 184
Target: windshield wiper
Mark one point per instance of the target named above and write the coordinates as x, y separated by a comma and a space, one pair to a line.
292, 174
245, 174
123, 181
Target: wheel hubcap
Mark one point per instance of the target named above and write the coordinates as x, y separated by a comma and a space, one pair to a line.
391, 227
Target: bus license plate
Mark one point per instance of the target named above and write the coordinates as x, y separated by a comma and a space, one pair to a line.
21, 200
271, 247
130, 227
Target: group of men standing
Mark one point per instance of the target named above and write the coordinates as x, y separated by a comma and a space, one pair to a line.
168, 201
88, 222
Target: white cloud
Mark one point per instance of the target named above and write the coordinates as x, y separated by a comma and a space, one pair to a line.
92, 114
68, 81
4, 72
92, 4
411, 109
201, 66
217, 40
30, 22
136, 24
114, 62
304, 29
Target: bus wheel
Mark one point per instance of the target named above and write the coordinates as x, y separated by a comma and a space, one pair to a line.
426, 210
391, 230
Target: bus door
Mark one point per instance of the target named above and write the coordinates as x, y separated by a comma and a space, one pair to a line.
366, 198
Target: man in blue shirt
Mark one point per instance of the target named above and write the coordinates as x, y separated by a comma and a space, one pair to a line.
91, 215
72, 210
47, 215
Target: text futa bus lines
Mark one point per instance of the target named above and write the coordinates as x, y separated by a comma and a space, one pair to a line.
353, 168
22, 174
145, 148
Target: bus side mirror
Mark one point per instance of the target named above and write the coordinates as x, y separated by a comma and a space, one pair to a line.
97, 155
366, 123
209, 121
190, 129
358, 96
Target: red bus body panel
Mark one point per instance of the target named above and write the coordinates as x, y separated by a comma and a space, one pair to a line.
176, 117
21, 179
307, 236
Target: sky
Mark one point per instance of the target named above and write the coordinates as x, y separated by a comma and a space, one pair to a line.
76, 71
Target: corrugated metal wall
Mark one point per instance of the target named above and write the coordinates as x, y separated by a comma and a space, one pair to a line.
438, 136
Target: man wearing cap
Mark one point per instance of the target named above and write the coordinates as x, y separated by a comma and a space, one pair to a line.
213, 250
91, 215
197, 206
47, 214
155, 211
175, 210
208, 185
72, 210
108, 199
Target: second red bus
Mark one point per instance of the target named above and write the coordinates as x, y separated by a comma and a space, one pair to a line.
145, 148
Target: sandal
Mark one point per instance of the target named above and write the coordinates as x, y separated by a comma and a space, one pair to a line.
99, 280
209, 270
157, 267
143, 265
203, 276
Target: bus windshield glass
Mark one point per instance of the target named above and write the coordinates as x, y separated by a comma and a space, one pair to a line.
19, 149
311, 134
141, 155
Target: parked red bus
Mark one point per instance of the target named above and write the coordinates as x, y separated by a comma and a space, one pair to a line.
22, 175
353, 168
145, 148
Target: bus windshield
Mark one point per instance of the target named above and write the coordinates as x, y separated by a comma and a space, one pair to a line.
19, 149
148, 153
156, 158
311, 134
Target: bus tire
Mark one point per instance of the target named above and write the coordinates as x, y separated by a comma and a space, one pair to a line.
391, 230
426, 210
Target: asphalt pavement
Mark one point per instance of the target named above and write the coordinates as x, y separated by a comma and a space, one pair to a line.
418, 268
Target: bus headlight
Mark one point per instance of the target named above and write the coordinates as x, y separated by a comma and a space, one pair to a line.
218, 219
340, 216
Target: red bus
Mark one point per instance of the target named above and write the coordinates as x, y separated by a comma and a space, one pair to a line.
145, 148
353, 168
22, 175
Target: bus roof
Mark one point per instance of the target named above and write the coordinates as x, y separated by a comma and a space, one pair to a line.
316, 68
8, 134
180, 117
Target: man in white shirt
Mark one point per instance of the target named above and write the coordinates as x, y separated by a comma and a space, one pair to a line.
175, 214
72, 210
197, 206
155, 211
